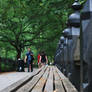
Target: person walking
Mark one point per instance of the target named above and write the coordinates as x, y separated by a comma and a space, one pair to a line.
43, 59
38, 58
29, 59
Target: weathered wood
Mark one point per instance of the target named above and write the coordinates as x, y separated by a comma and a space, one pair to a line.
40, 85
46, 79
28, 86
67, 84
57, 82
21, 82
49, 83
60, 73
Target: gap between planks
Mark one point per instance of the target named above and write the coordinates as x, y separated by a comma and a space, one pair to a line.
41, 84
49, 83
28, 86
57, 82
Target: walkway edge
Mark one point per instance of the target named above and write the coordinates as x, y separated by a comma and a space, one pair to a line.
21, 82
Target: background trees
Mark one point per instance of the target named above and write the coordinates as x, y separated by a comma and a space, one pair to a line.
36, 23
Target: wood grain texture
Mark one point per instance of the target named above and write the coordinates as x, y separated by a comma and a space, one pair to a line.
67, 84
57, 82
49, 83
40, 85
27, 87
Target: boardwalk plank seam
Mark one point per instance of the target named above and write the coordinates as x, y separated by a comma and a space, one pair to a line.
46, 79
49, 83
13, 87
41, 83
58, 83
35, 79
66, 83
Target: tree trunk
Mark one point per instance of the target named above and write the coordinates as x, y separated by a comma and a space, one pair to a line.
18, 54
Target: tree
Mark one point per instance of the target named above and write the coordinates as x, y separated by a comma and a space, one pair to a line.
33, 22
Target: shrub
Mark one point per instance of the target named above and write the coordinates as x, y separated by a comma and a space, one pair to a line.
7, 65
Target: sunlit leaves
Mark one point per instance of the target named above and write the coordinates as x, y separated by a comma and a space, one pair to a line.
33, 22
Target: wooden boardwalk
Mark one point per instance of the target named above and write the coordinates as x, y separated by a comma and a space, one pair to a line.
45, 79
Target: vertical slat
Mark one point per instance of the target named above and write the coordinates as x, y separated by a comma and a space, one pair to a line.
49, 83
57, 82
39, 86
16, 85
27, 87
60, 73
67, 84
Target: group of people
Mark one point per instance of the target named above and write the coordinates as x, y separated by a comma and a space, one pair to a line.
29, 58
42, 59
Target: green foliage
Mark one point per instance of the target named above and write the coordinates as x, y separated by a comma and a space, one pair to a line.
35, 23
82, 2
6, 67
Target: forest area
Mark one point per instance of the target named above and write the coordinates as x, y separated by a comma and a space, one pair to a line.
32, 23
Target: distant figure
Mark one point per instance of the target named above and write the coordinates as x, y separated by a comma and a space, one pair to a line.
43, 59
20, 63
29, 59
39, 63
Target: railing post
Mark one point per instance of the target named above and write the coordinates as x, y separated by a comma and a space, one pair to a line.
75, 21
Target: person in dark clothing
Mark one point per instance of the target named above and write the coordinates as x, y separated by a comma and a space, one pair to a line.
20, 63
43, 59
29, 59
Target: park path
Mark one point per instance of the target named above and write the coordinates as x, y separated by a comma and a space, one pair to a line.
45, 79
6, 79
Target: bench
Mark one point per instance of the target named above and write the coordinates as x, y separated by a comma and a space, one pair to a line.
45, 79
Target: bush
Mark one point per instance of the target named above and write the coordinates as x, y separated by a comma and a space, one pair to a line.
2, 67
7, 65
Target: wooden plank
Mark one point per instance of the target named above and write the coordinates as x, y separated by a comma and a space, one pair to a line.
28, 86
57, 82
40, 85
60, 73
49, 83
17, 84
67, 84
